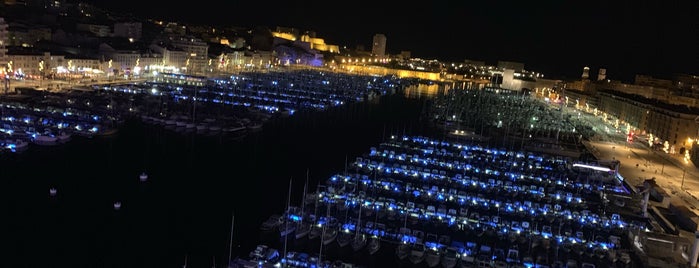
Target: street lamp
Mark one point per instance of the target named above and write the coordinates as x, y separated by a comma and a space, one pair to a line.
41, 72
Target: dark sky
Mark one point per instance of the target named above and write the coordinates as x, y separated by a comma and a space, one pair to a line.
557, 38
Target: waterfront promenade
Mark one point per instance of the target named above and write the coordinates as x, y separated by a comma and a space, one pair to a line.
679, 178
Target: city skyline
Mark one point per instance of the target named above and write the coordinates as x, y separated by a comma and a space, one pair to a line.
557, 39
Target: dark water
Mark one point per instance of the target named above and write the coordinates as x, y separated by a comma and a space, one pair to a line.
195, 185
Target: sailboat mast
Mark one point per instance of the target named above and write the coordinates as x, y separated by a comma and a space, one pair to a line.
286, 215
230, 240
303, 201
194, 106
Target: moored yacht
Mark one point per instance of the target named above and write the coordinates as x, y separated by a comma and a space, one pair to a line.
433, 256
315, 232
17, 145
402, 250
359, 241
373, 245
287, 227
143, 176
302, 229
344, 237
271, 224
64, 136
450, 257
45, 140
417, 253
330, 234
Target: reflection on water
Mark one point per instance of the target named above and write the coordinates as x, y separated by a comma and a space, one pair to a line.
432, 89
422, 90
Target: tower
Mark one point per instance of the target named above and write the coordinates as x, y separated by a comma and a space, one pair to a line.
602, 74
378, 47
4, 77
586, 73
3, 43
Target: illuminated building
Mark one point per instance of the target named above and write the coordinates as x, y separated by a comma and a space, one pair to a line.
3, 44
195, 50
667, 109
25, 61
285, 35
131, 58
378, 47
586, 73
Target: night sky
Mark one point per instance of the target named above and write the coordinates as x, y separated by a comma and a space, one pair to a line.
557, 38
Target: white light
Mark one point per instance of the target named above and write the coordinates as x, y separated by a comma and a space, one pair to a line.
592, 167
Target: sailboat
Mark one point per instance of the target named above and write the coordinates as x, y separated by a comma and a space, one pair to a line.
288, 225
403, 249
304, 226
344, 237
359, 240
330, 229
374, 243
316, 230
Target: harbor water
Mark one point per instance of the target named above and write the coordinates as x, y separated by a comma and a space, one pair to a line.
182, 213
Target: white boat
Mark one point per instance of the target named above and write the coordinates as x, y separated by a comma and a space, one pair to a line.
359, 241
433, 257
512, 256
373, 245
64, 136
202, 127
258, 253
255, 126
450, 257
344, 237
417, 253
315, 232
302, 229
45, 140
588, 265
170, 121
143, 176
15, 145
214, 128
272, 223
501, 264
403, 250
233, 129
329, 235
287, 228
467, 256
